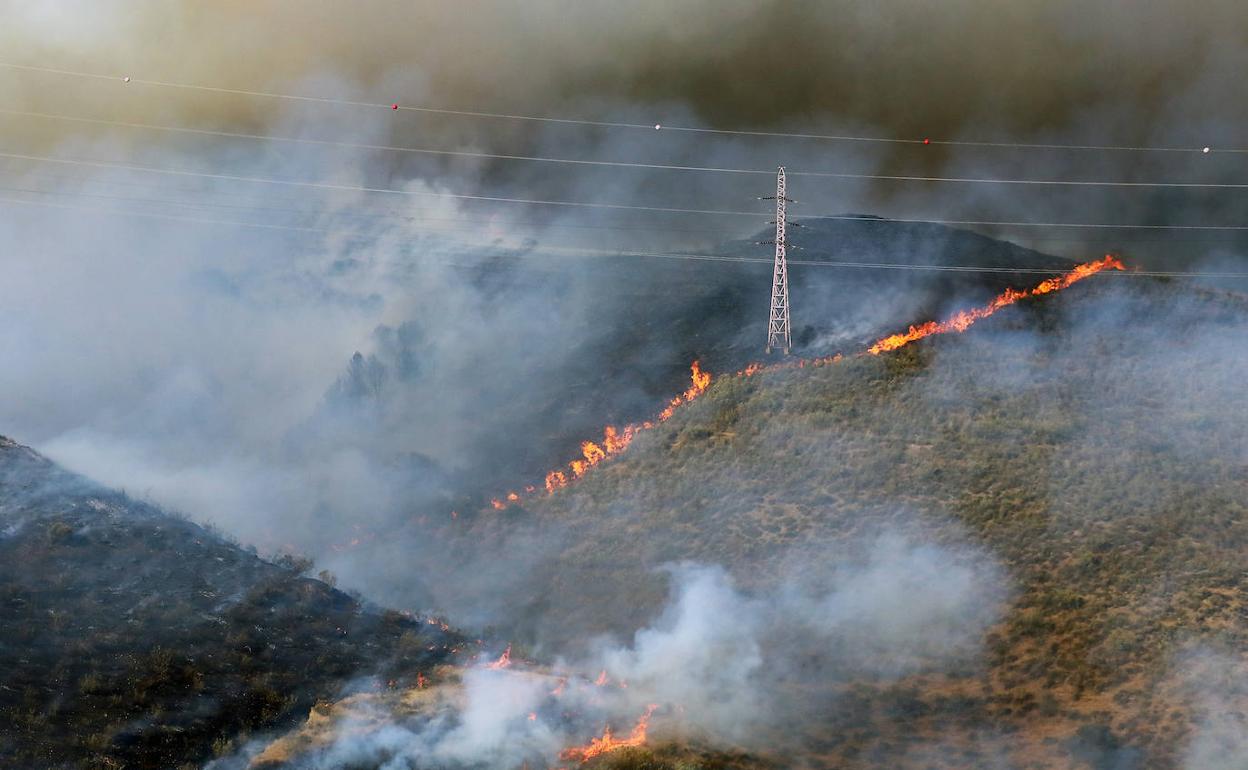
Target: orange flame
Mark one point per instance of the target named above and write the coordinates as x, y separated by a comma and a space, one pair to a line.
616, 440
961, 321
503, 661
608, 742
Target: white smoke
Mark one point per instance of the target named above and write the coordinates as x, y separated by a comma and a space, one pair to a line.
1219, 740
718, 662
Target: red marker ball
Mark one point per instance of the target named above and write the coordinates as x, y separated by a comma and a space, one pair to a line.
927, 141
394, 106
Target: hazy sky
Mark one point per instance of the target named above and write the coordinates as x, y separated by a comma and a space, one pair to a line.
1164, 73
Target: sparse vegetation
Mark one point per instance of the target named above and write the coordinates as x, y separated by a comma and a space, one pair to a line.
1096, 459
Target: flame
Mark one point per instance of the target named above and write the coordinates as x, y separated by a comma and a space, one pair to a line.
439, 623
617, 440
614, 441
556, 480
608, 742
503, 661
961, 321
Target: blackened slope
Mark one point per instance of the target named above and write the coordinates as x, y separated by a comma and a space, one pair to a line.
134, 638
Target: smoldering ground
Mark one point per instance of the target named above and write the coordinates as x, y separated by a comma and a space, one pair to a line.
719, 665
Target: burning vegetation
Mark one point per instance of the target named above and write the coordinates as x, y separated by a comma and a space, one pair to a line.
963, 320
616, 440
608, 742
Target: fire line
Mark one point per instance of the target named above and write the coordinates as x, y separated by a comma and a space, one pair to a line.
608, 742
616, 440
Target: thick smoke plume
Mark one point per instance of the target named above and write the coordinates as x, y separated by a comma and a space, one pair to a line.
718, 664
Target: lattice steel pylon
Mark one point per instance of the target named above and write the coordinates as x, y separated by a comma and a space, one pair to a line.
778, 331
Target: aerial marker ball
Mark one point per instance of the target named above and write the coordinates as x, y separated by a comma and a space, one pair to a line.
1205, 151
394, 106
657, 126
126, 79
926, 140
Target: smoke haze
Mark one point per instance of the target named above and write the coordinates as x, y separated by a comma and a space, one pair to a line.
725, 665
193, 337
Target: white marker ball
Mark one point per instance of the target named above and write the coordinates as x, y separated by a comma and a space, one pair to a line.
126, 79
1205, 151
657, 126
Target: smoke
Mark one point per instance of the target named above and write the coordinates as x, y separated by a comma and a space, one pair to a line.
1108, 73
1219, 686
484, 722
210, 366
733, 659
718, 664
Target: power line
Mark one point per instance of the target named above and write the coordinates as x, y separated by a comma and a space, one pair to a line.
533, 224
536, 225
621, 124
383, 147
580, 251
114, 165
361, 188
388, 215
631, 164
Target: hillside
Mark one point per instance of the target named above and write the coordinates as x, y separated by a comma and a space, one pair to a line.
649, 319
137, 639
450, 422
1093, 443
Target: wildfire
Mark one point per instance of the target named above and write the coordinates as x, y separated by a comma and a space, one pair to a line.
503, 661
616, 440
961, 321
608, 742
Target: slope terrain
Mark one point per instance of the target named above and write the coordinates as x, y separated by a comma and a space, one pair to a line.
453, 424
650, 318
1093, 442
133, 638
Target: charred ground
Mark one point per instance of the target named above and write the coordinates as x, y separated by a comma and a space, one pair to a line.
134, 638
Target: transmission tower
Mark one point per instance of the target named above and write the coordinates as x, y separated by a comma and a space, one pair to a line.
778, 335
